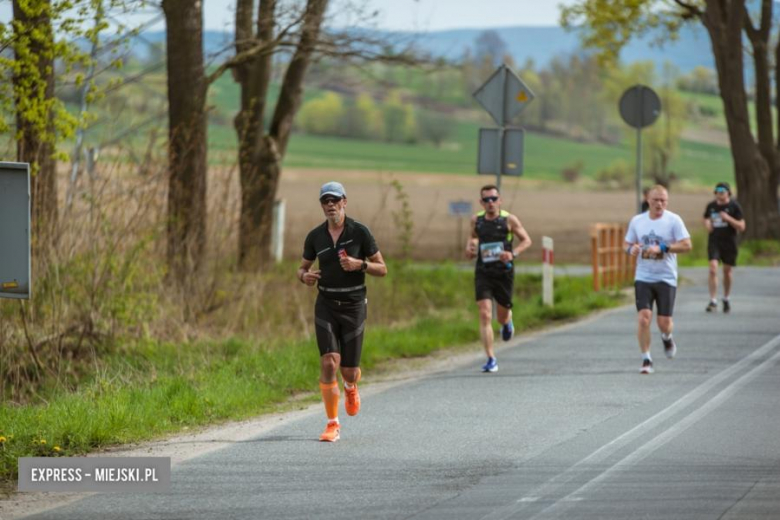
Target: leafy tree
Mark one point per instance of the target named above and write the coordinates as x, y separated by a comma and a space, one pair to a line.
400, 123
700, 79
609, 25
371, 116
323, 116
434, 127
489, 46
39, 120
360, 119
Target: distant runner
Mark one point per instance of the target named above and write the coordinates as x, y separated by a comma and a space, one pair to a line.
346, 251
492, 233
723, 219
655, 237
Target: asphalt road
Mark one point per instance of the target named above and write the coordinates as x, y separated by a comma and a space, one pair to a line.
567, 428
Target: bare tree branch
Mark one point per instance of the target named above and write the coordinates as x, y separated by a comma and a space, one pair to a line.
689, 9
290, 94
249, 46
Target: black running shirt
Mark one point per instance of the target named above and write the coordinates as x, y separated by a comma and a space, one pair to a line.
494, 236
358, 242
720, 228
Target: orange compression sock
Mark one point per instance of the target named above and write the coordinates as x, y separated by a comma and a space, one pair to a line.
330, 396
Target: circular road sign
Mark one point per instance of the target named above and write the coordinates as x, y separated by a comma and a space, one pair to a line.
639, 106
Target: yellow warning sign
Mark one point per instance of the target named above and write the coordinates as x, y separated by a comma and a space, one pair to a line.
522, 96
10, 285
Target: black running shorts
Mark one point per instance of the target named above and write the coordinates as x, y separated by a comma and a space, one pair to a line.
661, 293
339, 327
723, 249
495, 287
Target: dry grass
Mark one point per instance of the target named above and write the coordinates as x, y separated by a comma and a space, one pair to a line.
105, 285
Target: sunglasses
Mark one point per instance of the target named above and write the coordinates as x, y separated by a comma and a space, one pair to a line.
489, 199
327, 201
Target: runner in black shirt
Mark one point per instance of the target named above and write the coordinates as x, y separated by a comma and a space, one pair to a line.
723, 218
346, 251
492, 233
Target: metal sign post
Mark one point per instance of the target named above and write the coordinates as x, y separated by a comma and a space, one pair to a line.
504, 96
461, 209
639, 107
15, 280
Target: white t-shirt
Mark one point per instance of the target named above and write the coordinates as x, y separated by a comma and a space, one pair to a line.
668, 229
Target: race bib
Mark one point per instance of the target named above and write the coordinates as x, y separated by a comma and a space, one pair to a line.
491, 251
647, 255
717, 220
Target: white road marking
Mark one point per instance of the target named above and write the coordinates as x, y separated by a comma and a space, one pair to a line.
554, 484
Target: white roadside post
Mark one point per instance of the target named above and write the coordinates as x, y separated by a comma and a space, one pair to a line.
277, 236
547, 271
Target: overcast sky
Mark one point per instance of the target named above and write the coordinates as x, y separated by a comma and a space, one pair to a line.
418, 15
431, 15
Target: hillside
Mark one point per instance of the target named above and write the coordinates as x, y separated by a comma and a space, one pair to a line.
540, 44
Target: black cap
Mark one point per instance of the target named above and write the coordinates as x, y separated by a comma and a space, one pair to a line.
724, 185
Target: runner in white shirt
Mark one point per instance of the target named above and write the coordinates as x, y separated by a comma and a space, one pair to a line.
655, 237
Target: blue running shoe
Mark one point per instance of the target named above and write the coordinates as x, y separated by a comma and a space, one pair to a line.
507, 331
491, 365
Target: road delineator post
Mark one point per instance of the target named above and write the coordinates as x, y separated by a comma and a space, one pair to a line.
547, 271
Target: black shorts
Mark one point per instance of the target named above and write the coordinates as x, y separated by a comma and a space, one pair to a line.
659, 292
721, 249
339, 327
489, 286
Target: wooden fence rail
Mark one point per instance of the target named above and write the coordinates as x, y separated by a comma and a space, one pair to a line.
612, 267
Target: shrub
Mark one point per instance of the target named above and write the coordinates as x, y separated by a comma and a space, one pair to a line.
572, 172
618, 175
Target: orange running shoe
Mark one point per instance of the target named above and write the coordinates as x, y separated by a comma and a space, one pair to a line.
352, 404
331, 433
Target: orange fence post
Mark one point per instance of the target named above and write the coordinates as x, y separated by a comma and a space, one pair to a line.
611, 267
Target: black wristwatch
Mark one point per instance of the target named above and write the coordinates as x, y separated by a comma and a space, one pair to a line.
364, 266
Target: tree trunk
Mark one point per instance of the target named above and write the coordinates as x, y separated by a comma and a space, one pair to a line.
768, 224
260, 156
756, 195
34, 94
259, 183
187, 138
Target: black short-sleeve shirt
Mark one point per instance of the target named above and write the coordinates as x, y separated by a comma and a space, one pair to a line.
358, 242
721, 228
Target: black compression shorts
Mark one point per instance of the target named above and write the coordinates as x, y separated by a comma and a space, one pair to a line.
339, 327
499, 287
661, 293
723, 249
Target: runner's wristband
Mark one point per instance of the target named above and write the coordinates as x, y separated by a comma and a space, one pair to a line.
663, 247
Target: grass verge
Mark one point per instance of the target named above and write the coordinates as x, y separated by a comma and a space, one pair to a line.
150, 388
762, 253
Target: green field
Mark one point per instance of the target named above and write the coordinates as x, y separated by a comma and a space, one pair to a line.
711, 114
545, 156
